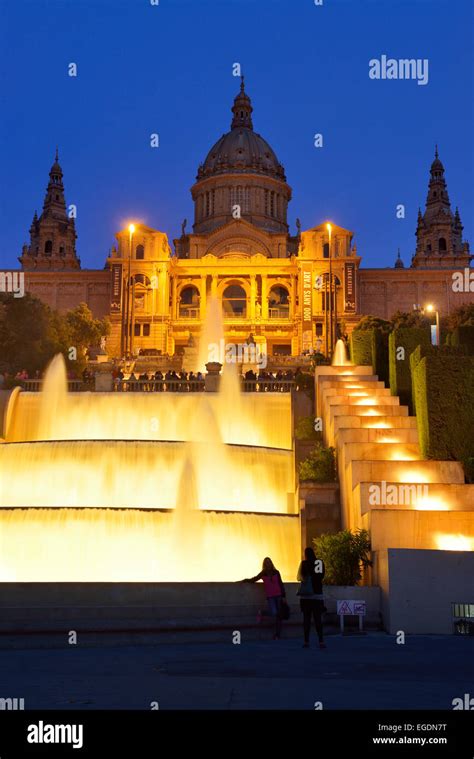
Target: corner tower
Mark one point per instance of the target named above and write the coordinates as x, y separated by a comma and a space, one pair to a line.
439, 243
53, 235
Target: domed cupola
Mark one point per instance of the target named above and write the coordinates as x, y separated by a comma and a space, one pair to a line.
242, 109
241, 175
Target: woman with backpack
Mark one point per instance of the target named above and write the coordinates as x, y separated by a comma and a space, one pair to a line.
274, 591
310, 576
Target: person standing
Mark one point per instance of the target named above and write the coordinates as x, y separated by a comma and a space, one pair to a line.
274, 591
310, 576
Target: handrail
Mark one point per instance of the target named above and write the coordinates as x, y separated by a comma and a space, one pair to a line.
35, 385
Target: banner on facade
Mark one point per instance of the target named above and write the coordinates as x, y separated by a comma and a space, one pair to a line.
349, 288
116, 292
307, 307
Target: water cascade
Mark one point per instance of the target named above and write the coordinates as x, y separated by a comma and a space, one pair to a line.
145, 486
340, 355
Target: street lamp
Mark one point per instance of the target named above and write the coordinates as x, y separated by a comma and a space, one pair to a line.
131, 230
430, 308
331, 341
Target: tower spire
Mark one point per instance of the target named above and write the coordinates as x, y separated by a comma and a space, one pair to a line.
53, 235
242, 109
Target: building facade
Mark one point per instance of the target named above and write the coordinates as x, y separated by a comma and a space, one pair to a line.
287, 293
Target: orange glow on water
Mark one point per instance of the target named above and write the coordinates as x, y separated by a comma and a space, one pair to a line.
83, 478
454, 542
427, 503
92, 545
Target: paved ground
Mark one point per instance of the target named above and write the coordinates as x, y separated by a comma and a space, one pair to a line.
368, 672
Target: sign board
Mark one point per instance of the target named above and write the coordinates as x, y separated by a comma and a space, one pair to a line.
434, 335
349, 288
307, 306
356, 608
116, 290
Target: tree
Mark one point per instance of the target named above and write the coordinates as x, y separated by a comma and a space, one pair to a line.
344, 555
83, 331
29, 334
462, 316
413, 318
373, 322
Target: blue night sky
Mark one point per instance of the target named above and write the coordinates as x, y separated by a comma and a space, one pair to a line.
168, 69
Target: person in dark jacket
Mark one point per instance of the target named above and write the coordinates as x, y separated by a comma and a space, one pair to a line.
310, 576
274, 591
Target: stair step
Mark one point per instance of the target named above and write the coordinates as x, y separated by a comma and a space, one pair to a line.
405, 471
428, 496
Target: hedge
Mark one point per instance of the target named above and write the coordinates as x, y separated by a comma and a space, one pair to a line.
407, 338
370, 348
361, 347
443, 383
463, 337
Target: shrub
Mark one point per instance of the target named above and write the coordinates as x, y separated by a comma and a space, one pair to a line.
320, 466
409, 319
369, 347
461, 316
361, 347
463, 337
407, 338
443, 391
468, 464
368, 323
319, 359
304, 429
345, 554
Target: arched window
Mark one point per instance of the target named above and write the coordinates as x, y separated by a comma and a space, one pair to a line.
326, 250
189, 302
139, 252
234, 301
48, 247
61, 250
278, 302
442, 245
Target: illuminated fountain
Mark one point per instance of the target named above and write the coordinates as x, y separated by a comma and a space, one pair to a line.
340, 355
146, 486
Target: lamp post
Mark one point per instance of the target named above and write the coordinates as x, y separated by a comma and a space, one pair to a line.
331, 340
131, 230
430, 308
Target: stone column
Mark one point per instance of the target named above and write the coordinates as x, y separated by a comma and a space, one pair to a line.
214, 286
293, 297
203, 298
264, 297
174, 310
253, 292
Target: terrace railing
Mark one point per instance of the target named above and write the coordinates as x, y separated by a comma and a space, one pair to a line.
267, 386
159, 386
35, 385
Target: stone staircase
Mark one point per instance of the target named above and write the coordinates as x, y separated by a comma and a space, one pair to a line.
386, 486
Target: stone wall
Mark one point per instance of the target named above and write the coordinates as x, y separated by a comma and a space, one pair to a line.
384, 291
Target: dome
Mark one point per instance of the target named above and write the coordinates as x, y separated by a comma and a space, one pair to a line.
241, 150
399, 263
56, 168
437, 165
